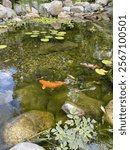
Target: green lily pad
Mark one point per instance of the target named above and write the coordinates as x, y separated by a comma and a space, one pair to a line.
62, 32
106, 62
59, 38
35, 31
3, 46
34, 35
48, 37
3, 26
45, 40
101, 71
43, 32
28, 33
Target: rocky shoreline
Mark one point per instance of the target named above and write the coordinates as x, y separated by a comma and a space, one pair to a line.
77, 12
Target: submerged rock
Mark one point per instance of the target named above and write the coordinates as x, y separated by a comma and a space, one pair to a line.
109, 112
27, 146
32, 97
26, 125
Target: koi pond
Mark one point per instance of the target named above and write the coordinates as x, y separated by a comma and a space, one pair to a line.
78, 55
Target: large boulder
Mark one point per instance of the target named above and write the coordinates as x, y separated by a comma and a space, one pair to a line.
7, 3
3, 12
27, 146
10, 13
66, 8
55, 8
64, 15
77, 9
26, 125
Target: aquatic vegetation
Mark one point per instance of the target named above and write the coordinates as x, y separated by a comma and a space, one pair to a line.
49, 37
59, 38
106, 62
28, 33
3, 46
34, 35
101, 71
51, 84
45, 40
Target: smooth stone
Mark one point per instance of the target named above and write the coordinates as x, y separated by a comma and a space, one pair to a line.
31, 15
83, 4
66, 8
55, 8
88, 8
64, 15
26, 125
27, 146
7, 3
10, 13
77, 9
108, 116
3, 12
68, 3
44, 9
96, 7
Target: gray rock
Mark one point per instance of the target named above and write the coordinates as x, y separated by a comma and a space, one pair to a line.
3, 12
26, 125
35, 4
77, 9
7, 3
96, 7
68, 3
102, 2
10, 13
44, 9
30, 10
84, 4
55, 8
66, 8
88, 8
27, 146
64, 15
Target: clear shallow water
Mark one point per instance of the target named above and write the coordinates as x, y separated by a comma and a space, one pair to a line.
26, 60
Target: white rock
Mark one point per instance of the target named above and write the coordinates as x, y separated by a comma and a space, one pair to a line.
27, 146
17, 19
102, 2
44, 9
7, 3
55, 8
68, 3
88, 8
66, 8
96, 7
84, 4
3, 12
77, 9
64, 15
10, 13
31, 15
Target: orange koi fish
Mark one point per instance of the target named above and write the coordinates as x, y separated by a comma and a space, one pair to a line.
51, 84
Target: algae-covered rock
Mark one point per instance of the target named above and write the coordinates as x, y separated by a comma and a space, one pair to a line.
26, 125
109, 113
32, 97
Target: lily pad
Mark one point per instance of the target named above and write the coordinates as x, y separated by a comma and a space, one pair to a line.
34, 35
59, 38
43, 32
101, 71
48, 37
45, 40
3, 26
3, 46
106, 62
28, 33
62, 32
35, 31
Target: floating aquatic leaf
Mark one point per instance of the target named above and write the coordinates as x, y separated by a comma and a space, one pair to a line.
106, 62
48, 36
101, 71
62, 32
34, 35
28, 33
59, 38
3, 46
35, 31
45, 40
43, 32
3, 26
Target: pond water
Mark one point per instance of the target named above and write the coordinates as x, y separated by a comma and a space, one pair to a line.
27, 59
